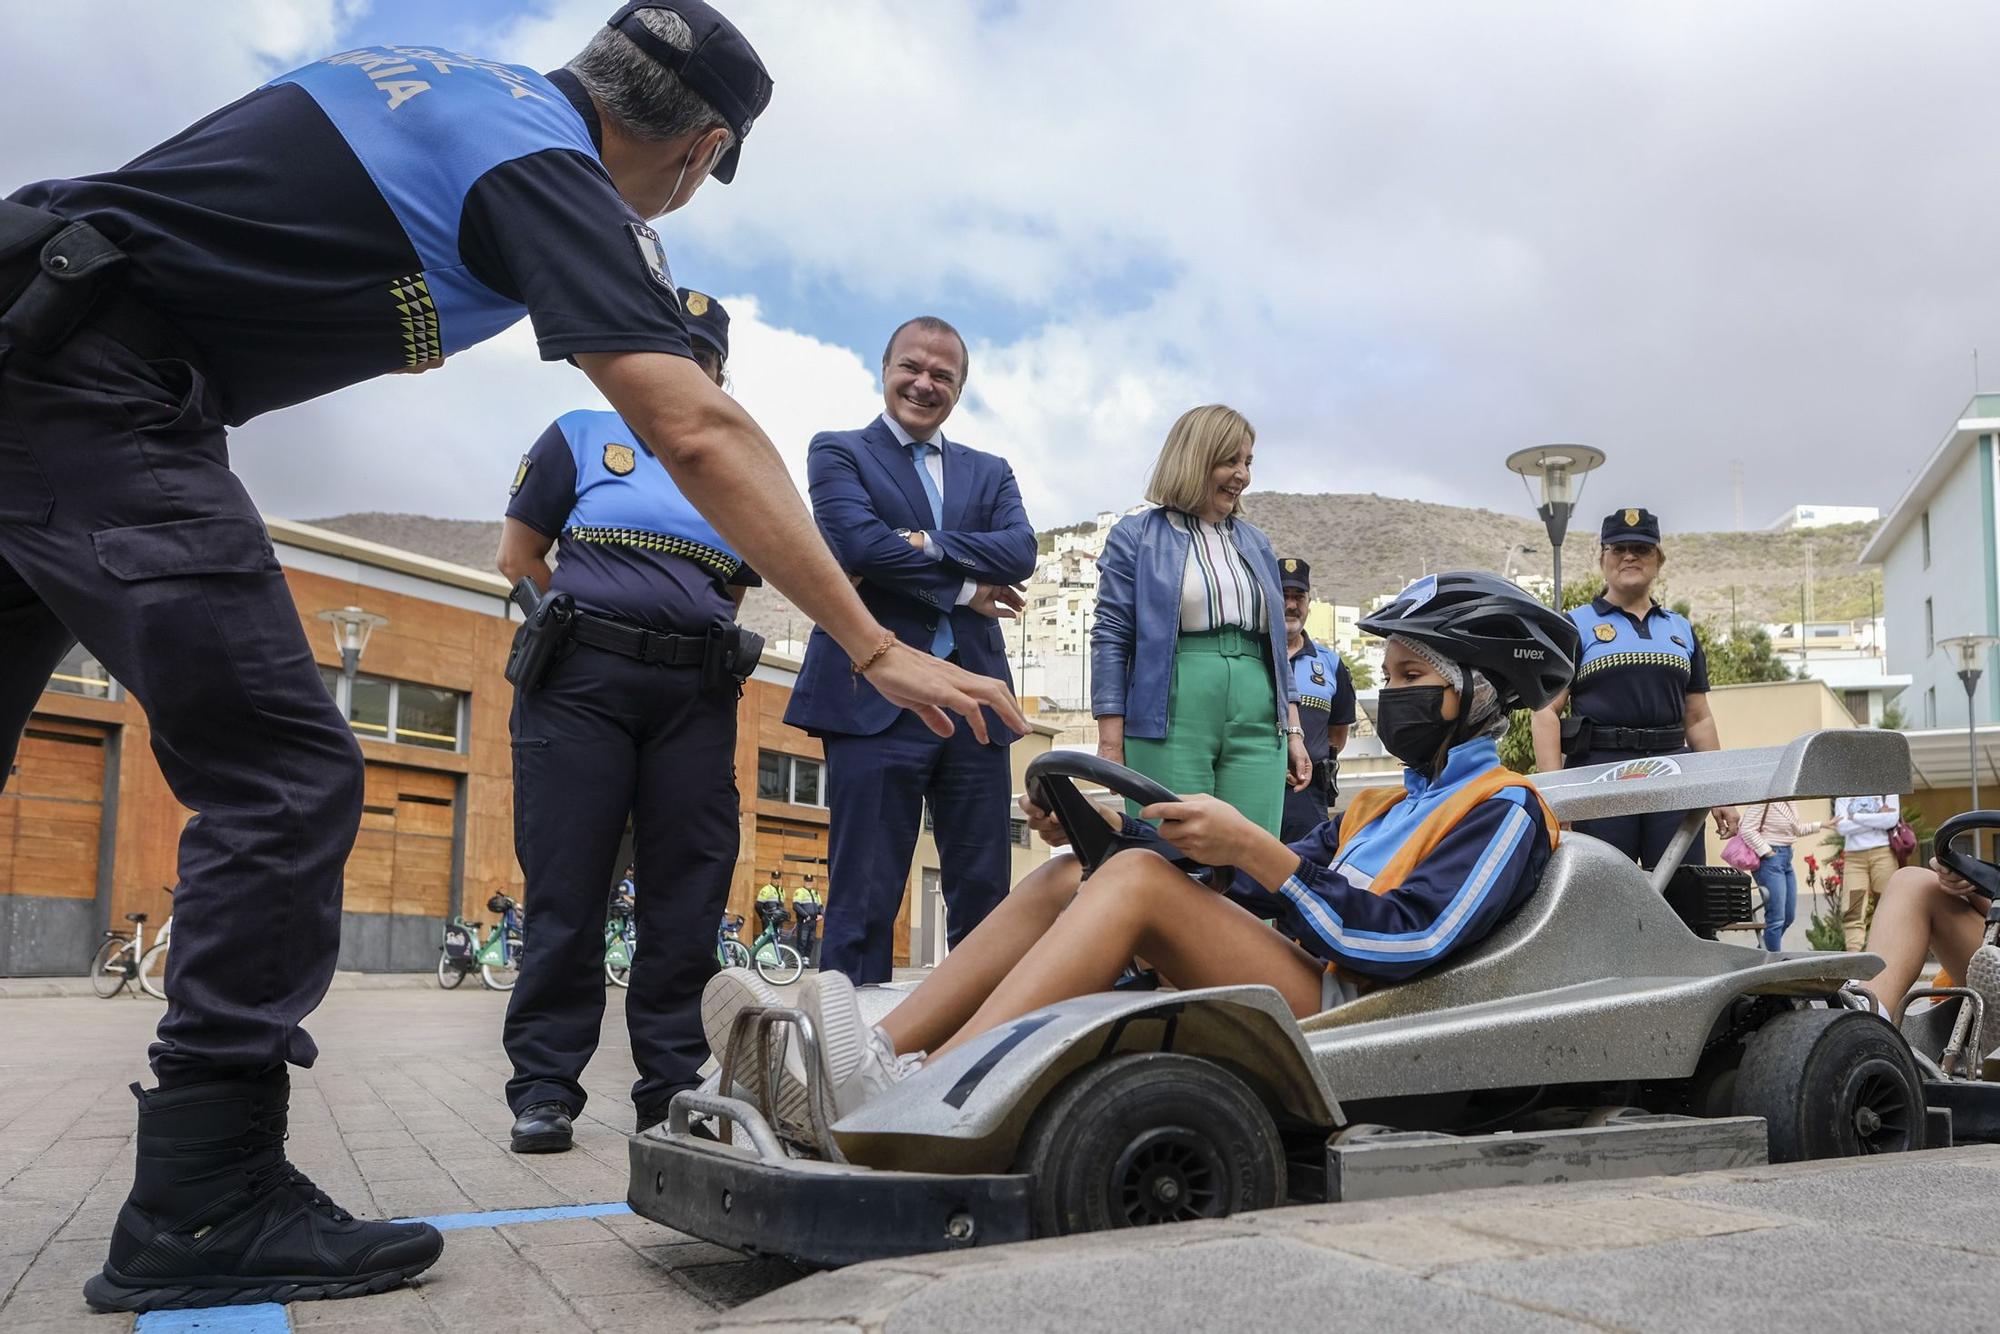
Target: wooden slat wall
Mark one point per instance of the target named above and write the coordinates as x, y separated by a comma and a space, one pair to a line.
52, 811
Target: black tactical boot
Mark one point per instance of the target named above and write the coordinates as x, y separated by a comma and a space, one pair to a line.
545, 1127
217, 1217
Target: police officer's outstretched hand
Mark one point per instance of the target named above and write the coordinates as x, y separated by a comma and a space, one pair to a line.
933, 688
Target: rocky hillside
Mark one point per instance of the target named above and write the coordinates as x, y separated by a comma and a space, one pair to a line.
1361, 545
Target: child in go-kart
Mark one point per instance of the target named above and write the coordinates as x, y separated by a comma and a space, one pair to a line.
1404, 881
1927, 910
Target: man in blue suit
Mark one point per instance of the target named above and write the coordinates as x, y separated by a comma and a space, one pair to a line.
935, 538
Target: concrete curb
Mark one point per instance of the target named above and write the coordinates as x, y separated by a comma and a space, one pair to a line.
1857, 1244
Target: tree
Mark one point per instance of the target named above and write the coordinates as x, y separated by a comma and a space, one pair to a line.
1894, 719
1745, 656
1359, 672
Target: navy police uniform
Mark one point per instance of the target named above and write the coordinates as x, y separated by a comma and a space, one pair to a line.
376, 211
1629, 700
1326, 701
621, 727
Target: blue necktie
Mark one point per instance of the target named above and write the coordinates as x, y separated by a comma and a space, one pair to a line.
943, 641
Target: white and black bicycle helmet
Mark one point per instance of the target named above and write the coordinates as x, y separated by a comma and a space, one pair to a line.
1528, 651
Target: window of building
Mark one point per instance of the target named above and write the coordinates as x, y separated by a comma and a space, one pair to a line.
793, 778
1927, 539
1017, 833
1930, 629
80, 674
402, 712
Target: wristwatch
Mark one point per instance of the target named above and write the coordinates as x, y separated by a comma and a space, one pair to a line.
1295, 731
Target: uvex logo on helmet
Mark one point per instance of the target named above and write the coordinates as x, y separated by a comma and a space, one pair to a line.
1532, 653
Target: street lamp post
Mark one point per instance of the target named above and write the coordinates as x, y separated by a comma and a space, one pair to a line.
1558, 467
1970, 651
351, 630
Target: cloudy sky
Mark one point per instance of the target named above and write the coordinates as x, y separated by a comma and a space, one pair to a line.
1404, 238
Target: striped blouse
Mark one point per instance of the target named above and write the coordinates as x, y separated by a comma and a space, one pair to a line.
1218, 587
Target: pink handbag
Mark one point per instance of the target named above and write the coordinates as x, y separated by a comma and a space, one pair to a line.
1739, 854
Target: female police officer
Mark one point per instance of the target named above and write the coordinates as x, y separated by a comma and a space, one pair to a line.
1641, 686
635, 717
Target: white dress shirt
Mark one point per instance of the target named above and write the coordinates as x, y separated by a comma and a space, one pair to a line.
934, 465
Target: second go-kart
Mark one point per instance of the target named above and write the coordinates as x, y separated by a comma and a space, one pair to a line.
1601, 1031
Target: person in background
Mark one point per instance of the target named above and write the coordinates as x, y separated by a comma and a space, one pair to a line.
1770, 829
1326, 704
806, 909
1866, 863
1190, 681
1641, 689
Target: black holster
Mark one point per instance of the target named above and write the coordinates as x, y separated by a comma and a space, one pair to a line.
732, 654
52, 272
1578, 735
536, 643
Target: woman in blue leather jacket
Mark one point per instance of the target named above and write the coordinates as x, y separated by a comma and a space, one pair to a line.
1190, 683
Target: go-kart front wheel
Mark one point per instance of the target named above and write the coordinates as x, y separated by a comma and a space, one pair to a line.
1150, 1137
1832, 1084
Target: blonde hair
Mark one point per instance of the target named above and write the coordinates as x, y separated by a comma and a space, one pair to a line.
1203, 440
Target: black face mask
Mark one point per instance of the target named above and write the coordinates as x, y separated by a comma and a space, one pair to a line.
1410, 722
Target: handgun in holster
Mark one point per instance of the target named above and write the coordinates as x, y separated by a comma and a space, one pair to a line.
545, 629
733, 653
52, 272
1578, 735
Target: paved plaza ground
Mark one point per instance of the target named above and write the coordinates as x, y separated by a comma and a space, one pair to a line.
403, 1117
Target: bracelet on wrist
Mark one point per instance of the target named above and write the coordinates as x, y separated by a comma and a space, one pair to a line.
888, 642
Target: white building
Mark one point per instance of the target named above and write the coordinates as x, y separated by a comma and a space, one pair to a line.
1823, 516
1940, 570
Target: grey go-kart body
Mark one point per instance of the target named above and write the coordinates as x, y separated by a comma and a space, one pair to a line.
1592, 1034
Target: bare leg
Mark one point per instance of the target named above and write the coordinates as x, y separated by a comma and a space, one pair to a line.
968, 975
1138, 903
1915, 918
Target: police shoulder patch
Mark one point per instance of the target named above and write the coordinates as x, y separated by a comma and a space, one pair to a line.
520, 475
654, 255
1606, 633
619, 460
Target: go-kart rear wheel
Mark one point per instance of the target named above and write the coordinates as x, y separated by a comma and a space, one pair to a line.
1150, 1137
1831, 1084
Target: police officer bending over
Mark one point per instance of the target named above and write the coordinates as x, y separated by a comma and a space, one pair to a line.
633, 715
1326, 705
1641, 688
373, 212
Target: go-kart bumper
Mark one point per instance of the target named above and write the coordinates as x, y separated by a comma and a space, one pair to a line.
759, 1199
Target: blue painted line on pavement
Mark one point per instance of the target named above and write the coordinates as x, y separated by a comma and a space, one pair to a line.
502, 1217
263, 1318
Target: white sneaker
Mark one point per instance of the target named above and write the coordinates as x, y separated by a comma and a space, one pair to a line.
1982, 974
856, 1061
728, 994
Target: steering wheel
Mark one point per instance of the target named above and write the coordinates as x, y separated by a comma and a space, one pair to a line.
1983, 874
1051, 786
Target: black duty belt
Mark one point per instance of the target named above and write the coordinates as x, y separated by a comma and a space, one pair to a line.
646, 645
1654, 740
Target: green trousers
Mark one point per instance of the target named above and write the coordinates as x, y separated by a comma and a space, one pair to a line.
1222, 729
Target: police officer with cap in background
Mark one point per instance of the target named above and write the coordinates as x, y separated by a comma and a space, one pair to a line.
1641, 689
633, 717
1326, 704
373, 212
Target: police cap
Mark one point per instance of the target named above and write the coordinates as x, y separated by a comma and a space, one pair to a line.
1630, 525
706, 320
720, 65
1294, 573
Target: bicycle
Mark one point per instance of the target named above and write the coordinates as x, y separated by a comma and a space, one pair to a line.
498, 958
122, 959
730, 951
621, 940
775, 961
